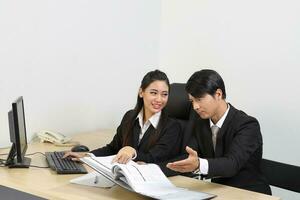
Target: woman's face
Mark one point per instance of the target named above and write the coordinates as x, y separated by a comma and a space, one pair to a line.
155, 97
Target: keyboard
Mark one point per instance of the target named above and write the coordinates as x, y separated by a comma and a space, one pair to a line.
63, 166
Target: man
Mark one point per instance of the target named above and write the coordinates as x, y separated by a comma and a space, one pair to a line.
227, 141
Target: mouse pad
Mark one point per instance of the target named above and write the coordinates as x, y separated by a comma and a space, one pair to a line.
13, 194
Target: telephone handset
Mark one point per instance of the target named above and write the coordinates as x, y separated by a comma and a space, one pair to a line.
53, 137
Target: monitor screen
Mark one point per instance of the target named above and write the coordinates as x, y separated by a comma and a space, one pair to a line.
17, 129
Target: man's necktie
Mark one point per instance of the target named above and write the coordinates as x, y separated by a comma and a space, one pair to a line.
214, 130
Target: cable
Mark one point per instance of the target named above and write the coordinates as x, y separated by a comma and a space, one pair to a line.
68, 144
38, 166
3, 165
31, 154
3, 161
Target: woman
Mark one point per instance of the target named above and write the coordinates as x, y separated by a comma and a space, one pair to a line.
146, 133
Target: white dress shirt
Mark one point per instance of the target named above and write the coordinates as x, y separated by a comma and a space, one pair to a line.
154, 119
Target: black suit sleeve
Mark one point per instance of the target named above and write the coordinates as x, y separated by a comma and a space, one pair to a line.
247, 139
167, 145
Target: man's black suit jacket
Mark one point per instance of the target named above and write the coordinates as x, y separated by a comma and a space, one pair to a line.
167, 145
236, 160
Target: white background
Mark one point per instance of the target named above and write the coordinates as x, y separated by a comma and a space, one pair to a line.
78, 64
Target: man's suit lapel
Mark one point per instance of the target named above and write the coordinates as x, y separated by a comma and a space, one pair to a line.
223, 130
204, 132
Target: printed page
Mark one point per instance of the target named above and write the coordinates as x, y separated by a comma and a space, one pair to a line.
102, 165
142, 176
146, 179
128, 173
150, 181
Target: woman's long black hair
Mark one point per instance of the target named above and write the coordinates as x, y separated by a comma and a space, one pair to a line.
149, 78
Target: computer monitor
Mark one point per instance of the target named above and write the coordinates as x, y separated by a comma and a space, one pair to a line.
17, 128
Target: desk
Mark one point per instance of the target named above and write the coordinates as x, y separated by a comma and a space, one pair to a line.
46, 183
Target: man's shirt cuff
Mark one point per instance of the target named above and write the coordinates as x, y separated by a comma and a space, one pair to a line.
203, 166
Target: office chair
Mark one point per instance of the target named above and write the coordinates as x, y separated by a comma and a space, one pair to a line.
281, 175
179, 107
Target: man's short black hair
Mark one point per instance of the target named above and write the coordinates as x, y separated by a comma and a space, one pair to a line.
204, 82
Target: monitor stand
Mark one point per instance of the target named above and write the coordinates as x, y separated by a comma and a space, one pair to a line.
24, 164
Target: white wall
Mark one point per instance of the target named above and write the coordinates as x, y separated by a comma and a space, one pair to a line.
78, 64
255, 46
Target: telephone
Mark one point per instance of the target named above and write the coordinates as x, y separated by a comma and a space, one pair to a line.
53, 137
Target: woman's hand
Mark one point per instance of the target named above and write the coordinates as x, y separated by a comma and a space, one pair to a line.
124, 155
74, 155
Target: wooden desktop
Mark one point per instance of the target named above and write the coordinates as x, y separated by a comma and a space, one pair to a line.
46, 183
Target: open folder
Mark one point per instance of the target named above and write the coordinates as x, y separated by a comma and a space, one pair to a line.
146, 179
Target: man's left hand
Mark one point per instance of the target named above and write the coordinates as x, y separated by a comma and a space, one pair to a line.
189, 164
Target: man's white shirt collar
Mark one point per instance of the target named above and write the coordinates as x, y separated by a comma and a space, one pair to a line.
221, 121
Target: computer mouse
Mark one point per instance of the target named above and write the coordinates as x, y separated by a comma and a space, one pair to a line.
80, 148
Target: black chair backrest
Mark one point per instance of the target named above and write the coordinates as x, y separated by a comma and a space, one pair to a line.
179, 107
281, 175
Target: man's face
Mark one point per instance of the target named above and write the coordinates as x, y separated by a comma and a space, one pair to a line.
206, 106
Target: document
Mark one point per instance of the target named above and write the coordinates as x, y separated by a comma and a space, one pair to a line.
145, 179
93, 179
